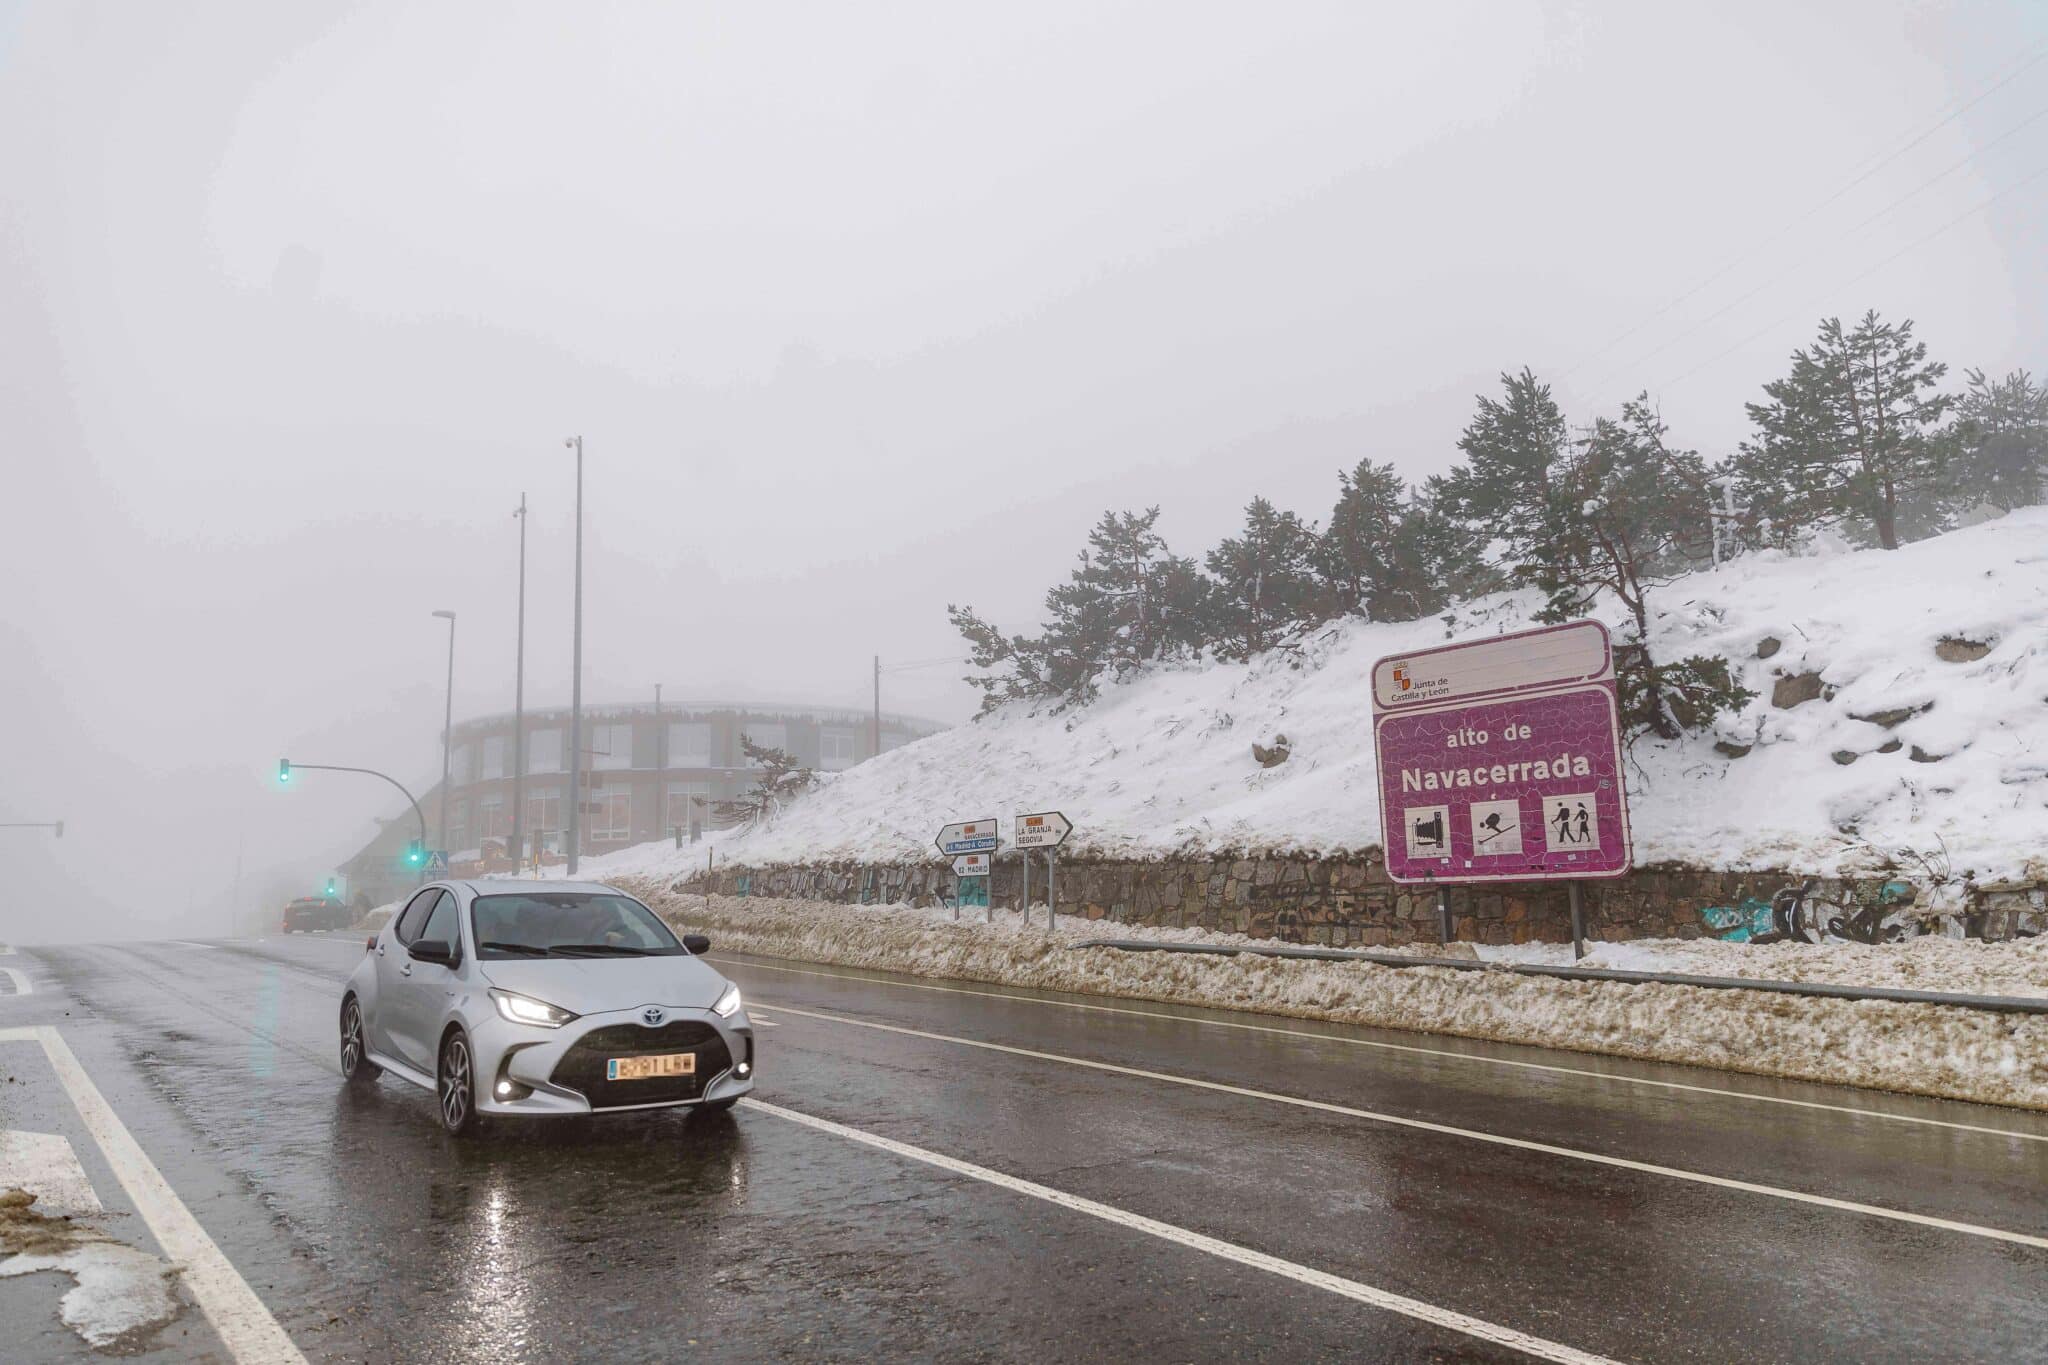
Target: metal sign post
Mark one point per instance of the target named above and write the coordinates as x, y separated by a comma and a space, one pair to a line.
1500, 761
1047, 830
1578, 921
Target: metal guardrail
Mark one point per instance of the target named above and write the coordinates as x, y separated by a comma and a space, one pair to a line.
2005, 1004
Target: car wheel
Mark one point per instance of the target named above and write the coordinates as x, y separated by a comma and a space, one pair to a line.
455, 1088
356, 1066
717, 1106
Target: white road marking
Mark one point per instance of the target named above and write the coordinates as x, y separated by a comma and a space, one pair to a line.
1446, 1053
1449, 1130
45, 1165
1430, 1313
22, 985
188, 943
764, 1023
244, 1325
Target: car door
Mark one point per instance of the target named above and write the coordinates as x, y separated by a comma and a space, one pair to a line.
425, 988
394, 975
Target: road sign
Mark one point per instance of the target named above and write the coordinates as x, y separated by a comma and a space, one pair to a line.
437, 861
1047, 830
1500, 759
968, 836
971, 865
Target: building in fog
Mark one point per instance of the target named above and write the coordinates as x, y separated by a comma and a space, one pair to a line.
647, 771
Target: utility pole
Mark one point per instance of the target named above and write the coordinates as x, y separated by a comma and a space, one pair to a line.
447, 725
660, 769
876, 749
576, 677
519, 709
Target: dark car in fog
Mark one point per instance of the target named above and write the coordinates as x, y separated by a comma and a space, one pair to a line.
316, 912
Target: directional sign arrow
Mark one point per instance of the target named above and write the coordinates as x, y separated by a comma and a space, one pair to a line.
971, 865
1048, 829
968, 836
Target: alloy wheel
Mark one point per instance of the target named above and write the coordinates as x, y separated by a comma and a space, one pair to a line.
455, 1084
351, 1039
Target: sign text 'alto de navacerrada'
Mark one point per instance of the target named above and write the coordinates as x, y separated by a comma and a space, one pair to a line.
1500, 759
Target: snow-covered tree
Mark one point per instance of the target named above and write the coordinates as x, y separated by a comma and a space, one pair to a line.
1998, 443
1266, 582
1390, 555
1848, 435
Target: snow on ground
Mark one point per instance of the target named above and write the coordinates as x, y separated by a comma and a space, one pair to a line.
118, 1291
1162, 763
1925, 1049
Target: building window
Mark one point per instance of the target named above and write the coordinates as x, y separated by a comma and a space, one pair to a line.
457, 833
459, 765
767, 735
544, 751
494, 757
543, 810
493, 821
838, 747
610, 747
680, 811
611, 815
689, 744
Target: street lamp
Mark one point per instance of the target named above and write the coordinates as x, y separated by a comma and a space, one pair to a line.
519, 709
575, 443
447, 724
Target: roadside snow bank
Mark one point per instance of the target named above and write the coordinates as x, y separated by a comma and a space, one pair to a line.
1963, 966
1899, 705
1923, 1049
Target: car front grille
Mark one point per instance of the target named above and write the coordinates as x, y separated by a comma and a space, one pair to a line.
582, 1068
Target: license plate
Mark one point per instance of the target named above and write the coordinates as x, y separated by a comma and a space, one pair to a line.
646, 1068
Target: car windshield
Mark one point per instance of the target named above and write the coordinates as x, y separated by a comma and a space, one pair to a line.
568, 924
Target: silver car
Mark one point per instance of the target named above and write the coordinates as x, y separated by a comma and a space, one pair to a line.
543, 997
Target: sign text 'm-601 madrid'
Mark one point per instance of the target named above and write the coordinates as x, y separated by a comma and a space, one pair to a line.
1500, 759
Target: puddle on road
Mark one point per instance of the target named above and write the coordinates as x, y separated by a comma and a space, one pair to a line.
117, 1293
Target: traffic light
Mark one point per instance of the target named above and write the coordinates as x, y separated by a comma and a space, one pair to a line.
284, 770
330, 888
415, 854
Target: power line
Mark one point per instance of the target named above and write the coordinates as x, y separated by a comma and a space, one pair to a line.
1737, 302
1886, 159
1860, 276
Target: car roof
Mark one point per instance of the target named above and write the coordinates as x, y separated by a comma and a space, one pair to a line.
499, 886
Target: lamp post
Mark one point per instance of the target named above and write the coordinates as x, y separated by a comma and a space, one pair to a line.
519, 709
575, 443
447, 724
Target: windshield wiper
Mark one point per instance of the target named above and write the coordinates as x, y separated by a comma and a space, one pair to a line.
492, 945
602, 949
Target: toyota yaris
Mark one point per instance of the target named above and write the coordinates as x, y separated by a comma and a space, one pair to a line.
531, 997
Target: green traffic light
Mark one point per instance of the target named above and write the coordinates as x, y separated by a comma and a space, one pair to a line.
284, 770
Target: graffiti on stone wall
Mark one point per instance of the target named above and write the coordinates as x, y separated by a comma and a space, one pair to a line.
1856, 912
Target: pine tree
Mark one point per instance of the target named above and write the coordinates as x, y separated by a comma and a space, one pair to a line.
1389, 555
780, 780
1127, 601
1999, 441
1848, 435
1266, 582
1637, 512
1503, 491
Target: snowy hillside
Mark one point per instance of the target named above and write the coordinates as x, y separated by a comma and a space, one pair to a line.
1924, 722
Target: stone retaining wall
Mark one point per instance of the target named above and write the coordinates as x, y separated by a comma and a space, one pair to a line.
1347, 902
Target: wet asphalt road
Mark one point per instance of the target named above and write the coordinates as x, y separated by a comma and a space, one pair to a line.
372, 1236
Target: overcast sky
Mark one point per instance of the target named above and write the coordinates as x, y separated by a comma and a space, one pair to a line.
861, 309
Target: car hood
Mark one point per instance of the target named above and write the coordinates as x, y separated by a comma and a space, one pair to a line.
597, 985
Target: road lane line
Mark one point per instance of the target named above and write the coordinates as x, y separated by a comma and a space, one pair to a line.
47, 1166
1448, 1053
1385, 1299
1449, 1130
252, 1336
22, 985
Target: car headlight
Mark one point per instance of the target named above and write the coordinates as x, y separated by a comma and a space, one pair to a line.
728, 1004
522, 1009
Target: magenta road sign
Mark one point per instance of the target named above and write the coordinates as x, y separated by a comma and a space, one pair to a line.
1500, 759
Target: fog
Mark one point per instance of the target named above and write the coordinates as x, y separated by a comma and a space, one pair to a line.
860, 311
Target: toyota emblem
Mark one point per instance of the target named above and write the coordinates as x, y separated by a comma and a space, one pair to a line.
653, 1015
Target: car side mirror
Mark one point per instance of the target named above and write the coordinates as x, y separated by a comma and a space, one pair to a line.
696, 944
433, 950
